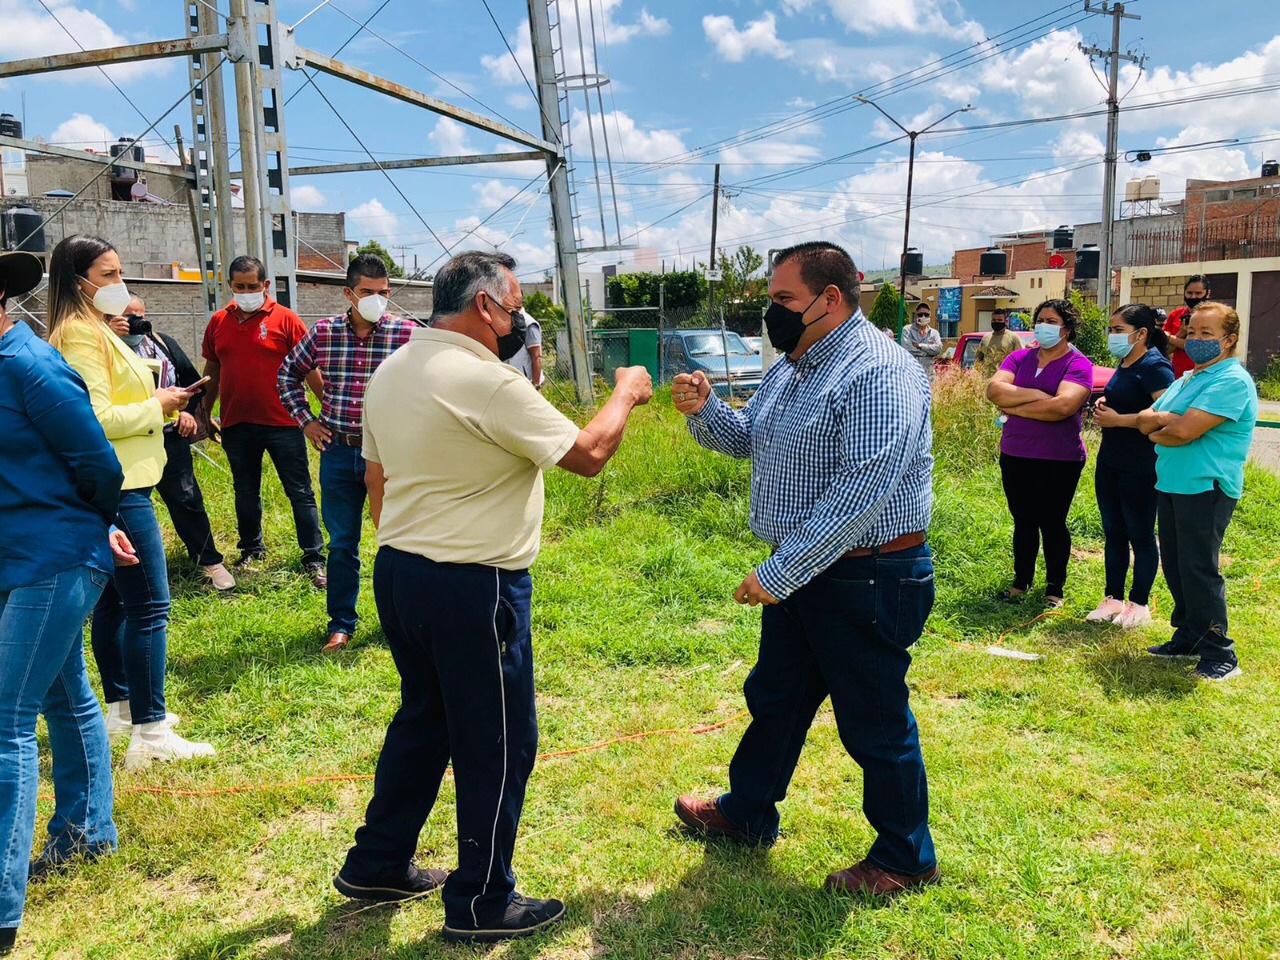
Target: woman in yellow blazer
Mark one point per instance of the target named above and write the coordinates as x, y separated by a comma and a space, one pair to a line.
130, 621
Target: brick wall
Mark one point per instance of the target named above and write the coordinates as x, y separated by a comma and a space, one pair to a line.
1026, 255
1163, 292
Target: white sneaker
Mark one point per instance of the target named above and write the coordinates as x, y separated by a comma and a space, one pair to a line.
157, 741
120, 720
1106, 611
219, 576
1135, 615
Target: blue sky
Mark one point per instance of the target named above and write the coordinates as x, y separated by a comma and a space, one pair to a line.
686, 75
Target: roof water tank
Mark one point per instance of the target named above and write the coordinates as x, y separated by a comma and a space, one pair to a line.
993, 263
1271, 168
1149, 189
23, 230
1132, 189
1087, 258
913, 262
132, 150
1064, 238
10, 126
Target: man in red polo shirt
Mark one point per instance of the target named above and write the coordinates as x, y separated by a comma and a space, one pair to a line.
1194, 292
244, 345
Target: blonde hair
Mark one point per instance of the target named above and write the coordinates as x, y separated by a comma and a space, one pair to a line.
1227, 315
70, 261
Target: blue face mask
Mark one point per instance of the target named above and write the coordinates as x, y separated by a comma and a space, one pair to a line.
133, 339
1049, 335
1203, 351
1118, 345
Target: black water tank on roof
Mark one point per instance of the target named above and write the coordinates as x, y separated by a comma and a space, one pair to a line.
1271, 168
1087, 259
10, 126
993, 263
913, 262
23, 230
1064, 238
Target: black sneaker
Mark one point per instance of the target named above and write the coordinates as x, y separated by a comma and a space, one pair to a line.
45, 866
1171, 648
414, 883
1217, 670
524, 917
8, 936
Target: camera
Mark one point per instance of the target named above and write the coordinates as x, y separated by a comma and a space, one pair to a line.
138, 325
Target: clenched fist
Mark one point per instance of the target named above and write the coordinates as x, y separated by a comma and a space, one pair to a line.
636, 382
690, 392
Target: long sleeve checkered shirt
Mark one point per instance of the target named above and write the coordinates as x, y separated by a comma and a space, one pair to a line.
840, 446
345, 361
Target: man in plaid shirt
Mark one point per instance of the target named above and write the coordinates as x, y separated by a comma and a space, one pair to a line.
346, 349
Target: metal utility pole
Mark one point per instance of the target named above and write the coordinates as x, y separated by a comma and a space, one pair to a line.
561, 202
1116, 11
711, 264
912, 135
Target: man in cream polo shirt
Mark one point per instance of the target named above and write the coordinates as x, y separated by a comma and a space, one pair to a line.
455, 443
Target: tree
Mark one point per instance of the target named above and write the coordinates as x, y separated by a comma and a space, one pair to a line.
551, 315
884, 310
1091, 338
378, 250
742, 290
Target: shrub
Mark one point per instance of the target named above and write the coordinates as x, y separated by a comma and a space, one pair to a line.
1091, 338
965, 434
1269, 379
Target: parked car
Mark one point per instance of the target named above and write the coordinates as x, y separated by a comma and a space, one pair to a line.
965, 354
755, 343
703, 351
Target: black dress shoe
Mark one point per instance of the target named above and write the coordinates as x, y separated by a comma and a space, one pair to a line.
43, 867
523, 917
414, 883
8, 935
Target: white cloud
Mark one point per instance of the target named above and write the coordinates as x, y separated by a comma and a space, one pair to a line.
372, 220
758, 36
31, 32
308, 198
792, 7
910, 16
494, 193
449, 138
81, 131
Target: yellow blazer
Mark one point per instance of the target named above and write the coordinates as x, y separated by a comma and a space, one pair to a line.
121, 388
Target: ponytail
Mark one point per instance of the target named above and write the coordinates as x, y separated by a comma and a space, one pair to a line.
1142, 317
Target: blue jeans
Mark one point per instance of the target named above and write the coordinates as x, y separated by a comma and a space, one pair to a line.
1127, 503
131, 621
466, 695
846, 635
42, 671
342, 498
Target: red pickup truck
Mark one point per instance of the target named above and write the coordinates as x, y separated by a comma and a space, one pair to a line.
965, 354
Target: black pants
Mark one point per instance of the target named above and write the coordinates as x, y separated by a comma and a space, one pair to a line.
1191, 530
1127, 503
459, 634
245, 444
1039, 493
181, 495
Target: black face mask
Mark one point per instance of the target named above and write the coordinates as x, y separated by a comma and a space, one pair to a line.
509, 344
997, 326
1193, 302
786, 327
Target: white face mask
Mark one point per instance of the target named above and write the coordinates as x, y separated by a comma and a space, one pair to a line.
250, 302
372, 307
112, 299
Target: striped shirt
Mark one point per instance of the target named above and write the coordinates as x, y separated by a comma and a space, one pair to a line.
839, 443
345, 361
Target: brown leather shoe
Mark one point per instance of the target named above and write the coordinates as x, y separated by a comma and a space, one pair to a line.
704, 818
337, 641
319, 579
866, 878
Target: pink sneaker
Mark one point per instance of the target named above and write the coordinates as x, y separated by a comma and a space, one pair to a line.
1108, 610
1135, 615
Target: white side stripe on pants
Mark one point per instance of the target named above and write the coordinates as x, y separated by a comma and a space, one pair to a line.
502, 789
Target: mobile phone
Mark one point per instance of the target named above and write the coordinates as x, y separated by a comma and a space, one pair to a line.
199, 383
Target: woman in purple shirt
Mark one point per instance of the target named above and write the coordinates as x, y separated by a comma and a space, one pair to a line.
1040, 392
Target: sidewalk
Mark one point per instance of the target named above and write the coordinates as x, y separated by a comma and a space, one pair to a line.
1265, 451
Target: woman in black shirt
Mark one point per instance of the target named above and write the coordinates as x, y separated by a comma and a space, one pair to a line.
1125, 477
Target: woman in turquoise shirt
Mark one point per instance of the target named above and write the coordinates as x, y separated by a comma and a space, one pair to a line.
1202, 427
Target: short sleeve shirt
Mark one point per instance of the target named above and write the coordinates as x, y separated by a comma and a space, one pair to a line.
1041, 439
463, 440
1130, 391
532, 338
249, 349
1224, 389
1172, 326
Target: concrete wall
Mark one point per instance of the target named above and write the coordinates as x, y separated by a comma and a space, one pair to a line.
46, 172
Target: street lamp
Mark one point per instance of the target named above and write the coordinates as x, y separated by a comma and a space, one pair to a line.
911, 168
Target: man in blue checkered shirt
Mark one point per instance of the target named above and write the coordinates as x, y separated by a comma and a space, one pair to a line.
839, 439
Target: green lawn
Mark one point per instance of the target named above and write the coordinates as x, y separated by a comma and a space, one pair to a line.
1094, 803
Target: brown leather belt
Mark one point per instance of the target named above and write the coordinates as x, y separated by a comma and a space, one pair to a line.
904, 542
348, 439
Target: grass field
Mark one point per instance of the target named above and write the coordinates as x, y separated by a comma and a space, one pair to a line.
1094, 803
